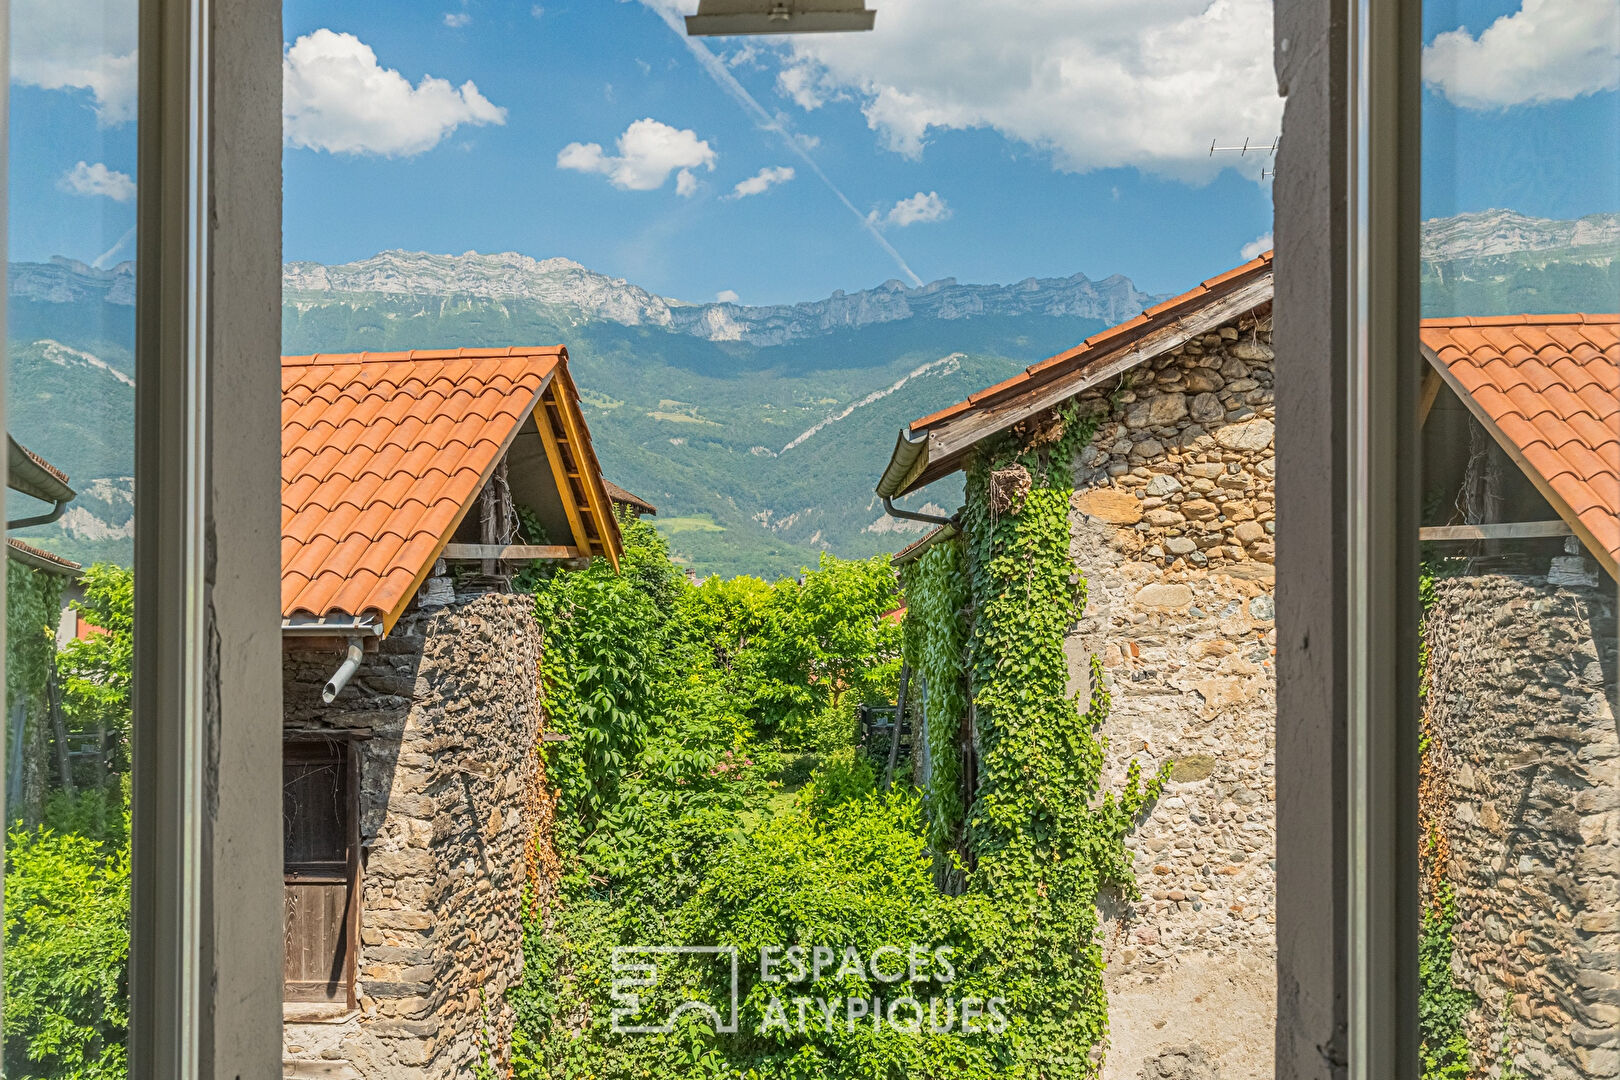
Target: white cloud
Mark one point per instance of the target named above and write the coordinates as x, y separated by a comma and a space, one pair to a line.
921, 209
336, 97
726, 296
648, 152
537, 11
97, 180
801, 83
763, 181
1548, 50
1256, 246
455, 20
745, 57
78, 45
1099, 84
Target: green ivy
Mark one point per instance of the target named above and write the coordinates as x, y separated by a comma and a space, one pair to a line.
33, 606
987, 615
1443, 1006
936, 586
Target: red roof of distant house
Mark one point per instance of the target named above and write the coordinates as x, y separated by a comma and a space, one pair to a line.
1547, 387
382, 454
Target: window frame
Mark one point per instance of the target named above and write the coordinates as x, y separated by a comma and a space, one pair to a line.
207, 910
1347, 230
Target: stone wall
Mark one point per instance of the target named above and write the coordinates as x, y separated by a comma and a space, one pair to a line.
1523, 781
1172, 529
451, 699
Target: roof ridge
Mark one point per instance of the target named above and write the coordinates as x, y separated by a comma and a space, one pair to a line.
1167, 310
1576, 318
416, 355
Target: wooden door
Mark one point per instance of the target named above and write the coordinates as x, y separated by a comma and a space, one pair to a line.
320, 830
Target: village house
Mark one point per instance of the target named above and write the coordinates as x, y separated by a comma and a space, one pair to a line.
36, 731
1521, 825
1171, 527
413, 485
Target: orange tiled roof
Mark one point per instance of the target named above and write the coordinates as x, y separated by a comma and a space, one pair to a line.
1103, 340
382, 454
937, 444
1548, 388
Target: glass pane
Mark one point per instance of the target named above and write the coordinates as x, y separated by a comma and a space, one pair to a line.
69, 506
1520, 415
1001, 807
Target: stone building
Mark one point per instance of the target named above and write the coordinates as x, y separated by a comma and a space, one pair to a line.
38, 752
1171, 524
1520, 799
413, 793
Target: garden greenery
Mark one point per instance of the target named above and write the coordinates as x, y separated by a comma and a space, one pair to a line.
686, 831
67, 880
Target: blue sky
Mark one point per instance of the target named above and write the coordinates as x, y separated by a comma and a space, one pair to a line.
1052, 139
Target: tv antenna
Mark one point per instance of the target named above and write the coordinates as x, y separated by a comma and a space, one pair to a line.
1249, 146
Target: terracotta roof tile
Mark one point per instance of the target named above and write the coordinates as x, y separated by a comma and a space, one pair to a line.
382, 454
1093, 346
1548, 384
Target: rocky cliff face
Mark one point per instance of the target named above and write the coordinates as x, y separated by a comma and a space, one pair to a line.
69, 281
1507, 232
577, 295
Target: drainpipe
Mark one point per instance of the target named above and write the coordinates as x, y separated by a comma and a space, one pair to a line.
340, 677
913, 515
41, 519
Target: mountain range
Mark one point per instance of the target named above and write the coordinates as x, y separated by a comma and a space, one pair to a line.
758, 431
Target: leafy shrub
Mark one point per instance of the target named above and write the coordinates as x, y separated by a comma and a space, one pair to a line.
67, 955
843, 777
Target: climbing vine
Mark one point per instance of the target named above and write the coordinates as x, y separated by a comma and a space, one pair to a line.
1443, 1007
33, 605
1046, 839
936, 587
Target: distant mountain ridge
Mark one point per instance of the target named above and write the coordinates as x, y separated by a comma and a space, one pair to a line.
580, 295
1506, 232
758, 431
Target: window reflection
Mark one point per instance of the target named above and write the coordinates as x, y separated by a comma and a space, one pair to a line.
1520, 410
69, 509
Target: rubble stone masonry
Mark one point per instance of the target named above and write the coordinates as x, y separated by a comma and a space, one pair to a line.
1171, 527
1525, 760
451, 700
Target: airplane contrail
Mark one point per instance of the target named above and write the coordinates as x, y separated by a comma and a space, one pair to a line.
739, 93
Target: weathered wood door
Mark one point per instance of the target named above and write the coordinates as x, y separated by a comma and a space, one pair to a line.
320, 829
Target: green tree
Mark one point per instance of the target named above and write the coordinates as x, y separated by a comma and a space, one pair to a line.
97, 670
67, 956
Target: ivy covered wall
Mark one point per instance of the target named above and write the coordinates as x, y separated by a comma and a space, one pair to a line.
1043, 840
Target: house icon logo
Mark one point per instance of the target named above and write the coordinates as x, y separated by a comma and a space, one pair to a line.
637, 967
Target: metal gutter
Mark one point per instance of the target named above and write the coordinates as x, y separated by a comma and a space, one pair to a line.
337, 625
30, 474
909, 459
917, 550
